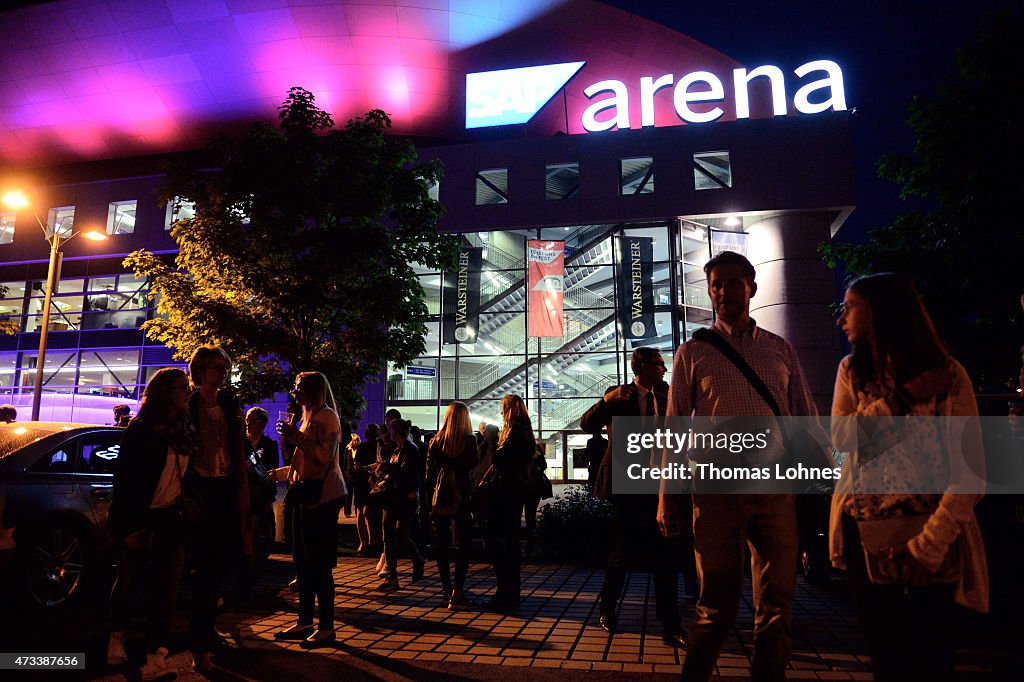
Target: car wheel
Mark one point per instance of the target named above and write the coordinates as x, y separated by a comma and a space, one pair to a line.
54, 565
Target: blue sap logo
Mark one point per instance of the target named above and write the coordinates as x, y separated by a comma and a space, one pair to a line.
497, 98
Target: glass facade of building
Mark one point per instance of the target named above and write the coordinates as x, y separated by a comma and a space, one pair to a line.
82, 379
560, 378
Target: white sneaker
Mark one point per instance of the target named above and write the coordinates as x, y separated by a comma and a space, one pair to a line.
202, 662
156, 667
115, 648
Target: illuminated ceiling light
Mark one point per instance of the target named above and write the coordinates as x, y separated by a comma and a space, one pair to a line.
95, 235
732, 221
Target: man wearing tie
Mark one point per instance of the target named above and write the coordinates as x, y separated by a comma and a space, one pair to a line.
634, 528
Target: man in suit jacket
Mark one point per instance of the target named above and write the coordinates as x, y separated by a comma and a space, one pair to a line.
634, 525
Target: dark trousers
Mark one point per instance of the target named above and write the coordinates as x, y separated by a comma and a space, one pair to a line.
157, 563
214, 540
398, 520
723, 526
315, 551
910, 632
464, 536
635, 533
503, 542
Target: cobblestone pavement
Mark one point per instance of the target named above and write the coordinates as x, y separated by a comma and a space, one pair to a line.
409, 634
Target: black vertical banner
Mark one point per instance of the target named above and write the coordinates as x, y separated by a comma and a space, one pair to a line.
462, 297
635, 288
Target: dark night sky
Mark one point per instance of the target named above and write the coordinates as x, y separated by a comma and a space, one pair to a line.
889, 51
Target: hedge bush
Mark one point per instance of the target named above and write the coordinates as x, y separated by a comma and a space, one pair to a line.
575, 527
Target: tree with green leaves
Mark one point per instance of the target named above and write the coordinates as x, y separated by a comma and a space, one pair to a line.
300, 253
965, 252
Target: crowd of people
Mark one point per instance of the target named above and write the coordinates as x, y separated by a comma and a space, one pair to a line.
184, 459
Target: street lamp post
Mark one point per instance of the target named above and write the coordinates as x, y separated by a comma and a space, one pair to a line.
52, 277
53, 239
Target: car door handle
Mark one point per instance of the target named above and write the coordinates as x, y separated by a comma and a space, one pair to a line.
101, 492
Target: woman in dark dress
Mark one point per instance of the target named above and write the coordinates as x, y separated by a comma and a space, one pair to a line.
516, 446
367, 523
453, 450
400, 504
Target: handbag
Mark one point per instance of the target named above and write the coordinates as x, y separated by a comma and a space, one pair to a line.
883, 541
802, 447
540, 483
262, 489
447, 499
485, 490
309, 492
381, 487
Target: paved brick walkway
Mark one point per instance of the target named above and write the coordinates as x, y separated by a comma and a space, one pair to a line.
555, 627
409, 635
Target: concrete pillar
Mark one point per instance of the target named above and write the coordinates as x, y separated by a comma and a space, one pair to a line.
794, 293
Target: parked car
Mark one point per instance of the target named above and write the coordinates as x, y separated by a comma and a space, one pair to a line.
56, 481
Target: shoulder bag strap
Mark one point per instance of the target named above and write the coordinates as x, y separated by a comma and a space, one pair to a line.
730, 353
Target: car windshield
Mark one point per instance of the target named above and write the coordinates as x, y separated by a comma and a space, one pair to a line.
14, 437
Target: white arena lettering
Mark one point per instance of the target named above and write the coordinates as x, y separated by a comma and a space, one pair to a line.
706, 87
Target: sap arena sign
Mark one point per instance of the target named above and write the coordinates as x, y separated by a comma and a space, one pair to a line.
510, 96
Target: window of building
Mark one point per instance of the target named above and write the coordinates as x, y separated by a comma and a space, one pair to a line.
636, 176
121, 217
179, 209
434, 191
712, 170
7, 227
112, 373
60, 220
492, 186
59, 374
562, 181
115, 302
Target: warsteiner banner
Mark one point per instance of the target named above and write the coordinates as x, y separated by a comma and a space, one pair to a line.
462, 297
545, 263
636, 290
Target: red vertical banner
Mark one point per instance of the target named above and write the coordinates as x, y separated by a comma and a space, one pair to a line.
545, 264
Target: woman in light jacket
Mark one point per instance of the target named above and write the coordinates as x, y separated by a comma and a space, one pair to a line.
903, 521
321, 489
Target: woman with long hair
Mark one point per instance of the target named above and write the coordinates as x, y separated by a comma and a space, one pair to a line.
903, 521
145, 516
516, 446
451, 455
316, 473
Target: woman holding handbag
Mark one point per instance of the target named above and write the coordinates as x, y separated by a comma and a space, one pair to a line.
516, 445
451, 455
903, 521
319, 488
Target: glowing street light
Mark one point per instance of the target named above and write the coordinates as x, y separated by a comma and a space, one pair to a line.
56, 240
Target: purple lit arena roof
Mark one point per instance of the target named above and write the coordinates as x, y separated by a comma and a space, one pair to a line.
97, 79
